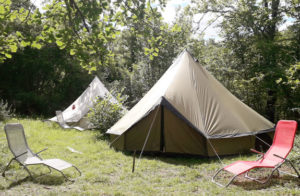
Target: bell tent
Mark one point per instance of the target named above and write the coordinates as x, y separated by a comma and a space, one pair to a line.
188, 111
75, 114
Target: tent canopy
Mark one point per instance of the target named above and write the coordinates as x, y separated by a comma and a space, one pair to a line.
81, 106
190, 97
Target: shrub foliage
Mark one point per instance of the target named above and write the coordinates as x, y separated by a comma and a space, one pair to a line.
105, 113
5, 110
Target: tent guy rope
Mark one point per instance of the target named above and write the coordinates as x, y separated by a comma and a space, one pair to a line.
146, 140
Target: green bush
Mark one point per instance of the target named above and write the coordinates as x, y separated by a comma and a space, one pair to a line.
5, 110
105, 114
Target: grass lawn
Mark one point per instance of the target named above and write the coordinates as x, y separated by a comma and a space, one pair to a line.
107, 172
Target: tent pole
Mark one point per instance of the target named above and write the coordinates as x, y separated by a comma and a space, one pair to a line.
146, 140
133, 163
215, 152
162, 132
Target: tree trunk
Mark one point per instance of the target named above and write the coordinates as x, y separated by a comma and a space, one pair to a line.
272, 29
270, 110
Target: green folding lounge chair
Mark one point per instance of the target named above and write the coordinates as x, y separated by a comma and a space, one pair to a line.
23, 154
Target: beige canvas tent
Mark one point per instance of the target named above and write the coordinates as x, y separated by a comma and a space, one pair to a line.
75, 114
188, 111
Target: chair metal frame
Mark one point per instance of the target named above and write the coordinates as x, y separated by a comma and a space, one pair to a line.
24, 165
276, 168
246, 172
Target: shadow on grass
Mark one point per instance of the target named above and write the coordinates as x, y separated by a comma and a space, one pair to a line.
18, 182
274, 181
42, 179
185, 160
261, 174
51, 179
182, 159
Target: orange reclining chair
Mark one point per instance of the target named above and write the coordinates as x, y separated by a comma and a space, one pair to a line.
273, 158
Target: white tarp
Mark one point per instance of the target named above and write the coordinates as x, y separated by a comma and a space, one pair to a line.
81, 106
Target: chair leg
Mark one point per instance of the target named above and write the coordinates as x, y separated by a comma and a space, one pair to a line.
28, 171
278, 172
259, 181
291, 164
65, 176
222, 185
49, 170
3, 173
63, 172
285, 159
77, 170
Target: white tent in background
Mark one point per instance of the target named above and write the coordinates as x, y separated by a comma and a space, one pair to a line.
75, 114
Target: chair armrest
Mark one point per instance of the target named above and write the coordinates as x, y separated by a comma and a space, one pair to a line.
255, 151
41, 151
276, 155
20, 155
285, 159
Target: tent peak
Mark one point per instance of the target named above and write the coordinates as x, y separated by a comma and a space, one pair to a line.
189, 53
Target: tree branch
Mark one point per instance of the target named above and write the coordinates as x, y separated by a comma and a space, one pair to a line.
81, 15
70, 19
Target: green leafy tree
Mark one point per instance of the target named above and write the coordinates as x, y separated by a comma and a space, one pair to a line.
251, 33
145, 48
10, 38
40, 81
86, 29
